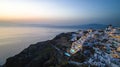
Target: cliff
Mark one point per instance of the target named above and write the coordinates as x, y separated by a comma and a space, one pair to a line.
42, 54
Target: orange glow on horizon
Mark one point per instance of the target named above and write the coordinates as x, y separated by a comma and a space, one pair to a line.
34, 11
31, 18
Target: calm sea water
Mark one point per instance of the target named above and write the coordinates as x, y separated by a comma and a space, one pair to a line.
14, 39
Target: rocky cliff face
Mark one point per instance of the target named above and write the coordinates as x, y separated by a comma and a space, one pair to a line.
43, 54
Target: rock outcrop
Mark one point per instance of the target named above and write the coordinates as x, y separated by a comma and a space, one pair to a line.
42, 54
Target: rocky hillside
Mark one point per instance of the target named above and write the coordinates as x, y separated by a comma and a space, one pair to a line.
42, 54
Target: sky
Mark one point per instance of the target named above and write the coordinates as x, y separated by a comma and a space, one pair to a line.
37, 11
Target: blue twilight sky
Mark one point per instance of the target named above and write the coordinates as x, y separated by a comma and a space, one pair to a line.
56, 11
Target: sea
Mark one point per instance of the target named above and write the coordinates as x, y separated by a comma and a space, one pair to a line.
15, 39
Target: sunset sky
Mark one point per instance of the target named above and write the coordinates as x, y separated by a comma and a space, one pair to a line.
50, 10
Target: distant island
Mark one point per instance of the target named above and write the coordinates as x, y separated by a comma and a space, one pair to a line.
83, 48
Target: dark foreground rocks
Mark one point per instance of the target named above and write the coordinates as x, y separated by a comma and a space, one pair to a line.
43, 54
